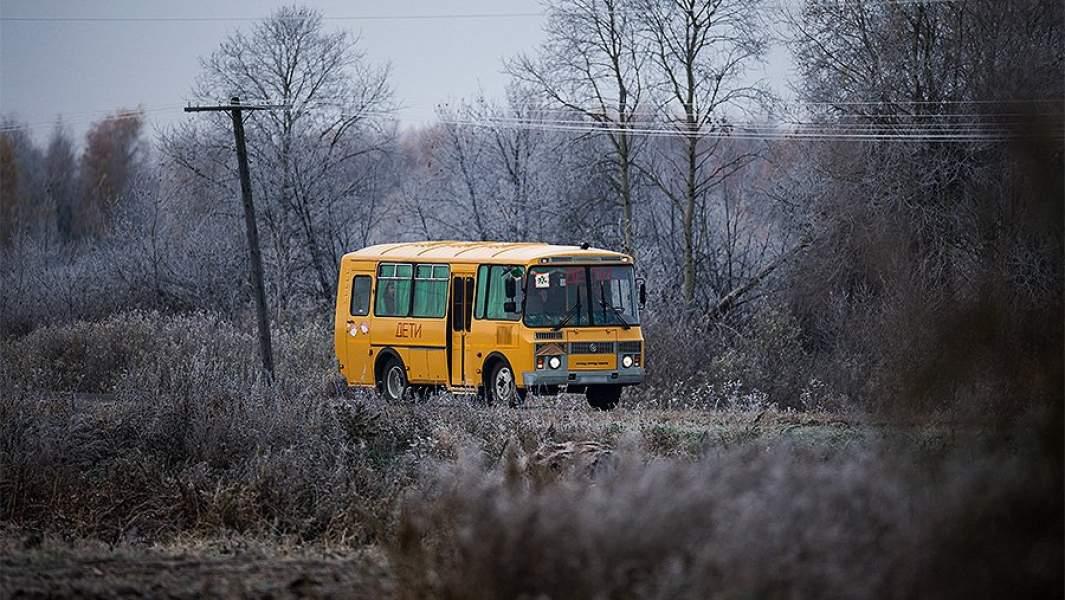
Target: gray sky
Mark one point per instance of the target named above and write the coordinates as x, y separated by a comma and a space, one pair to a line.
82, 70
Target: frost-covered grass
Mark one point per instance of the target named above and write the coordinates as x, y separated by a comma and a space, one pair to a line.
552, 499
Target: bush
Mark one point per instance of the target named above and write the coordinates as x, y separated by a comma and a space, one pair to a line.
190, 435
759, 362
744, 524
143, 352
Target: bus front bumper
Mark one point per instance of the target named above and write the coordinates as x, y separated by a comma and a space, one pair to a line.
561, 377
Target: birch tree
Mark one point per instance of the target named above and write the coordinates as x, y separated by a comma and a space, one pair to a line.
702, 50
315, 164
591, 65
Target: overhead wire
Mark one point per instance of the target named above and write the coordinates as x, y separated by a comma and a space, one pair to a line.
87, 117
678, 122
966, 126
751, 133
969, 127
422, 16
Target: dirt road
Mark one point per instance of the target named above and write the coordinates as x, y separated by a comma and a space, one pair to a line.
131, 571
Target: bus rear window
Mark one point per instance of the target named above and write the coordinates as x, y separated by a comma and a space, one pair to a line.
360, 296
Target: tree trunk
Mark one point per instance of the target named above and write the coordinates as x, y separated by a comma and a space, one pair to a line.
689, 224
626, 195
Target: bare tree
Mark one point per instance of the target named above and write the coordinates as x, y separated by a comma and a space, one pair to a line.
61, 174
493, 164
932, 69
702, 50
915, 233
24, 209
495, 171
591, 65
9, 189
314, 162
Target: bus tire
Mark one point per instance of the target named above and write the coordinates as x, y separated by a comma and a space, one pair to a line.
603, 397
502, 387
393, 385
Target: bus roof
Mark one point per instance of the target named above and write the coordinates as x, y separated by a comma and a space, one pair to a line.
484, 252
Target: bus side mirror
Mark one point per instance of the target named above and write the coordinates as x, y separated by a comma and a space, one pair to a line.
643, 293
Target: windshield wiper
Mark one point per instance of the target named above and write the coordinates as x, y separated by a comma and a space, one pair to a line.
574, 310
602, 302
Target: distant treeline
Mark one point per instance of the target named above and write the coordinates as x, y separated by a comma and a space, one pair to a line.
903, 216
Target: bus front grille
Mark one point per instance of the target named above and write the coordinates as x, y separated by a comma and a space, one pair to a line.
591, 348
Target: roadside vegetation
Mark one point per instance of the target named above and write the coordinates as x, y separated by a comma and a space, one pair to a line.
146, 430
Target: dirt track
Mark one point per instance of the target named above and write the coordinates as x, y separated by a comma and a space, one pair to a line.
129, 572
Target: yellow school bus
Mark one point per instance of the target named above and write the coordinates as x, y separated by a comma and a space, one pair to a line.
490, 318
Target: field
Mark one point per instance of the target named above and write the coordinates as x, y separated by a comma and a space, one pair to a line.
227, 563
176, 471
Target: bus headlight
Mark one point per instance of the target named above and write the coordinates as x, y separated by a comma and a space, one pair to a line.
626, 361
554, 362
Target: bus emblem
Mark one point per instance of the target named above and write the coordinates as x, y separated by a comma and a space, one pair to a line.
593, 348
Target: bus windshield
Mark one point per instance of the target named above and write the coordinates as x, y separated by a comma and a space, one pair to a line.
575, 296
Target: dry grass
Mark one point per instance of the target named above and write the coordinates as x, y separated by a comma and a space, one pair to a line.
549, 500
755, 521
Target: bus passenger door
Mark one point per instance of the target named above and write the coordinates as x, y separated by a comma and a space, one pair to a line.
460, 313
358, 364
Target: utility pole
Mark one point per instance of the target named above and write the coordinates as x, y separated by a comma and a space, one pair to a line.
235, 110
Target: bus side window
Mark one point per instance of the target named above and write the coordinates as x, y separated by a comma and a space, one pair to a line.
496, 297
393, 290
430, 290
360, 295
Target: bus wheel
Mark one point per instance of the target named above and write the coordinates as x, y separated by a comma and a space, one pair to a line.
603, 397
393, 385
502, 387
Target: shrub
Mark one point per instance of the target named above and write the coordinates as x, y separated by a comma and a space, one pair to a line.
744, 524
720, 366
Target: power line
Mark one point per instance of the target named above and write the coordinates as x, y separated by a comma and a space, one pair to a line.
89, 117
656, 114
974, 124
965, 126
968, 127
416, 17
1058, 101
204, 19
740, 133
